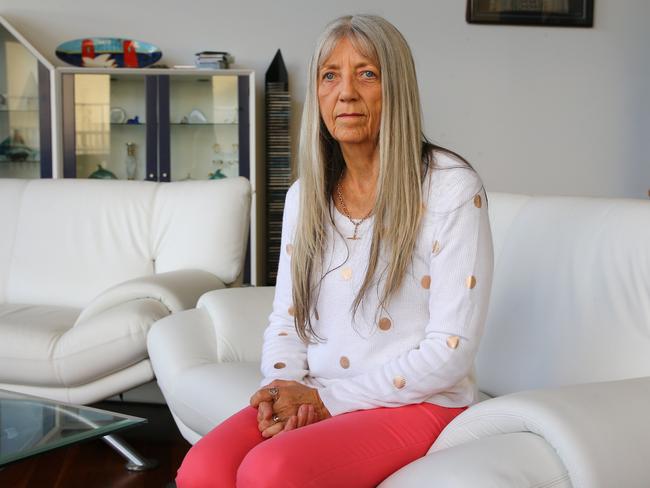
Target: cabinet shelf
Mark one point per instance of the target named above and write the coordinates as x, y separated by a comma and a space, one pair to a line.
207, 124
26, 161
141, 124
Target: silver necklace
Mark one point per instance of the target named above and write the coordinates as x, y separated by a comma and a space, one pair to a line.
356, 223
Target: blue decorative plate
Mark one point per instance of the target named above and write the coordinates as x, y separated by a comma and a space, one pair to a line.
108, 52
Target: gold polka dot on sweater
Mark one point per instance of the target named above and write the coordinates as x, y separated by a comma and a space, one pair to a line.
316, 316
283, 333
452, 341
384, 323
346, 273
477, 201
436, 248
345, 362
292, 311
471, 282
289, 249
426, 282
399, 382
279, 365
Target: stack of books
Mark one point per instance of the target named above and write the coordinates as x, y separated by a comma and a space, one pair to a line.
278, 158
213, 60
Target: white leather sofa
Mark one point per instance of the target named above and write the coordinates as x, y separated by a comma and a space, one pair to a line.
566, 353
87, 266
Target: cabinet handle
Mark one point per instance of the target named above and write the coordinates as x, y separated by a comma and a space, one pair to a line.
164, 175
151, 175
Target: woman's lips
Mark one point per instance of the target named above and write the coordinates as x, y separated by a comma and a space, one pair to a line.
349, 115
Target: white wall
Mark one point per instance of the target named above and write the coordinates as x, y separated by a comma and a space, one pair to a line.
535, 109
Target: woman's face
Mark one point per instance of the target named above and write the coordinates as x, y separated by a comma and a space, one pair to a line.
349, 95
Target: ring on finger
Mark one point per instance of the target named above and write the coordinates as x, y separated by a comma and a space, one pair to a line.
274, 392
275, 418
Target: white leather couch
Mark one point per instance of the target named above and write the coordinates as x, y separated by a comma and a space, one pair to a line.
566, 353
87, 266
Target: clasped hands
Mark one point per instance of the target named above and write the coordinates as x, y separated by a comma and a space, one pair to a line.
295, 405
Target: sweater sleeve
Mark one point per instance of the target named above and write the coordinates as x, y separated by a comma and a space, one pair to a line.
461, 266
284, 354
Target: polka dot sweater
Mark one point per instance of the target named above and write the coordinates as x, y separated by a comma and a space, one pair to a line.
421, 347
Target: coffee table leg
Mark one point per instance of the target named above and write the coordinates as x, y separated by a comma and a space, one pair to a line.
135, 461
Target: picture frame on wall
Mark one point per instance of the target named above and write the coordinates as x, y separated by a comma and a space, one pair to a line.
560, 13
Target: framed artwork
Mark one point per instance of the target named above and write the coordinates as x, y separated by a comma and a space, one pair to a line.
563, 13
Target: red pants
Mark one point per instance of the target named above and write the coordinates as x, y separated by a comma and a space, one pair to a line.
356, 449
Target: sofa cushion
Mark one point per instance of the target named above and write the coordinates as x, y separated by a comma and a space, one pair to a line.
76, 238
216, 212
40, 346
571, 293
30, 334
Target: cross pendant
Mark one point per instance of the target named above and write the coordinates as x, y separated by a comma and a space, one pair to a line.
354, 236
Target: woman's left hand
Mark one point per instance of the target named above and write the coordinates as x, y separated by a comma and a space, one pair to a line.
286, 404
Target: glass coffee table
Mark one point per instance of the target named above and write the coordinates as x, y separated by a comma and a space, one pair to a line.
31, 425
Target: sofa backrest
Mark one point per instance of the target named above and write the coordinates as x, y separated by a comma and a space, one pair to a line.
570, 298
65, 241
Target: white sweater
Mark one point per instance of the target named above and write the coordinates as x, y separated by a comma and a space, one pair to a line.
422, 348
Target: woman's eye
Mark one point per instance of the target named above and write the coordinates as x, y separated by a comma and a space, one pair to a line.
328, 76
369, 74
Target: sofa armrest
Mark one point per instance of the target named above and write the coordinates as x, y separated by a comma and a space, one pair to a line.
599, 430
177, 290
200, 391
106, 343
239, 317
180, 342
501, 461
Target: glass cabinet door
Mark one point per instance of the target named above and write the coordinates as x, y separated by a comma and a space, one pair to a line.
105, 126
155, 126
25, 139
208, 126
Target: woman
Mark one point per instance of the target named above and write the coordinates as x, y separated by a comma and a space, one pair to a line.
382, 290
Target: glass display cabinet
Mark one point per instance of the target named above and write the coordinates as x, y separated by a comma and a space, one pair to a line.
25, 108
160, 124
156, 124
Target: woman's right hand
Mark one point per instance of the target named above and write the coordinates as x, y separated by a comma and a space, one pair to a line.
304, 415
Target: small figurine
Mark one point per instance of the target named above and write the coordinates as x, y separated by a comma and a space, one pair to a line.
102, 174
217, 175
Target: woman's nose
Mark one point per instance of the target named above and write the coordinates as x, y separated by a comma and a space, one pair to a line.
348, 89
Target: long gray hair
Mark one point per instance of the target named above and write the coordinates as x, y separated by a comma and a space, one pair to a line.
398, 202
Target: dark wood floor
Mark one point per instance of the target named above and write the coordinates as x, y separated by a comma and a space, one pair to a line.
95, 464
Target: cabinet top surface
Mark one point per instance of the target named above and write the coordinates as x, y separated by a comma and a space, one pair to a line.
155, 71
